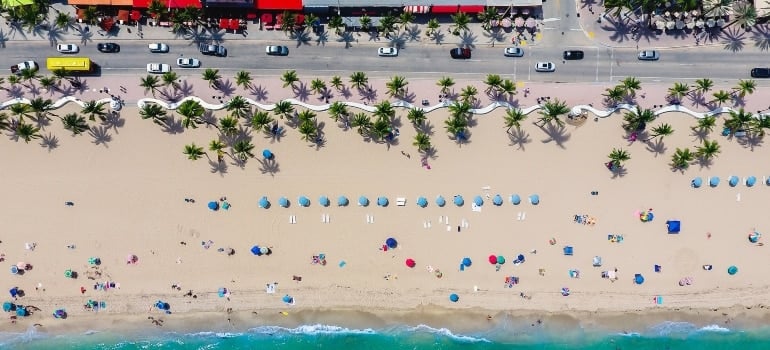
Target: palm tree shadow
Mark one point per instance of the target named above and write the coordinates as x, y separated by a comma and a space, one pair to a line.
301, 37
374, 35
588, 3
408, 97
467, 40
619, 29
519, 138
646, 34
85, 37
259, 92
398, 41
657, 147
302, 92
55, 34
173, 126
171, 94
556, 134
426, 128
700, 135
15, 91
209, 118
495, 36
733, 39
705, 163
269, 166
114, 120
15, 28
322, 38
738, 100
185, 88
367, 93
42, 122
347, 38
49, 141
438, 37
345, 91
751, 141
413, 33
619, 172
3, 39
226, 87
430, 153
218, 167
100, 135
216, 35
698, 99
760, 36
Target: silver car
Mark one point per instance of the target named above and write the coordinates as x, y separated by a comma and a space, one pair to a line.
277, 50
545, 67
649, 55
188, 62
387, 51
158, 48
513, 52
158, 68
67, 48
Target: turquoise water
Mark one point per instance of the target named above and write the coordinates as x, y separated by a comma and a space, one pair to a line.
668, 335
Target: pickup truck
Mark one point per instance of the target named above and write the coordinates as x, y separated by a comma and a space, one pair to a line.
17, 68
213, 50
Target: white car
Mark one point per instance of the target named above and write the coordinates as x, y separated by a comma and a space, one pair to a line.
387, 51
158, 48
513, 52
545, 67
67, 48
158, 68
188, 62
649, 55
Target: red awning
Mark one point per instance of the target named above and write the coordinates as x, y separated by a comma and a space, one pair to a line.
472, 8
174, 4
135, 15
107, 24
223, 23
235, 24
123, 15
266, 18
295, 5
417, 9
444, 8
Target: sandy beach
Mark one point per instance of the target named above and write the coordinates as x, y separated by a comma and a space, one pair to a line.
129, 191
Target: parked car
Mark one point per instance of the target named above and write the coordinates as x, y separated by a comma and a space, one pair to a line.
158, 48
67, 48
188, 62
31, 65
513, 52
277, 50
387, 51
545, 67
108, 47
459, 52
573, 55
158, 68
760, 73
649, 55
213, 50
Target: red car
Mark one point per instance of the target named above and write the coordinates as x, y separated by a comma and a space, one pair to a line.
463, 53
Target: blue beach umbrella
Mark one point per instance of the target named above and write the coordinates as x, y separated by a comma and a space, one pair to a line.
267, 154
714, 181
255, 250
515, 199
732, 270
422, 202
213, 205
478, 201
467, 262
497, 200
767, 181
264, 203
534, 199
733, 181
8, 306
382, 201
453, 297
391, 243
363, 201
459, 201
14, 270
287, 299
324, 201
21, 311
342, 201
751, 181
284, 202
440, 201
638, 278
696, 182
303, 201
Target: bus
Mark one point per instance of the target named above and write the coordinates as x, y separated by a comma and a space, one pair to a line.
72, 65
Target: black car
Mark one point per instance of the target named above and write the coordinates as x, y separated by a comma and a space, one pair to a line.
213, 50
108, 47
573, 55
760, 73
463, 53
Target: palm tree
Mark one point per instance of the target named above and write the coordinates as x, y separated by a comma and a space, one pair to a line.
638, 119
261, 121
720, 97
192, 113
306, 115
94, 109
63, 20
362, 121
661, 131
740, 120
487, 16
41, 107
308, 130
48, 83
336, 23
238, 106
359, 80
384, 110
682, 158
617, 157
5, 122
397, 85
27, 75
615, 95
422, 142
745, 14
243, 79
706, 124
193, 152
218, 147
212, 77
336, 81
461, 110
228, 125
513, 118
718, 8
338, 110
317, 85
631, 85
433, 27
170, 78
242, 149
406, 18
708, 150
493, 82
155, 112
150, 83
157, 9
551, 110
445, 83
289, 21
704, 85
283, 108
75, 123
456, 126
461, 21
678, 91
27, 132
745, 87
21, 110
507, 87
387, 24
469, 93
366, 22
416, 116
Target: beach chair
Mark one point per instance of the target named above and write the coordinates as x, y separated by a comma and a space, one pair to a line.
400, 201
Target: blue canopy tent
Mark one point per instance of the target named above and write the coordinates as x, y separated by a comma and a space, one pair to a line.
467, 262
213, 205
267, 154
264, 203
733, 181
303, 201
283, 202
324, 201
478, 201
342, 201
440, 201
497, 200
638, 278
534, 199
453, 297
696, 182
382, 201
568, 250
391, 243
714, 181
459, 201
363, 201
422, 202
515, 199
256, 250
674, 226
751, 181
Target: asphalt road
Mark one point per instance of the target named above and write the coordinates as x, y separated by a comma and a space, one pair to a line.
599, 65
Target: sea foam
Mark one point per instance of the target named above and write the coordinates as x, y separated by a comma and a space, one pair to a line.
444, 332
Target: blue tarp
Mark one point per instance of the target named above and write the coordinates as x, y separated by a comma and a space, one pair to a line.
459, 201
342, 201
478, 201
382, 201
363, 201
515, 199
303, 201
284, 202
697, 182
497, 200
264, 203
674, 226
14, 292
714, 181
324, 201
440, 201
422, 202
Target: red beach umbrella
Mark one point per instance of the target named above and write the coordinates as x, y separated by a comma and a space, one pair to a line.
493, 259
410, 263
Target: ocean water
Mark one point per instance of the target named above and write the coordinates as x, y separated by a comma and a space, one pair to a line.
667, 335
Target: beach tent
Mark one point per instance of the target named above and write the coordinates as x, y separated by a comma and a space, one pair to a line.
696, 182
60, 314
410, 263
267, 154
324, 201
303, 201
382, 201
213, 205
264, 203
422, 202
674, 226
9, 306
733, 181
363, 201
391, 243
467, 262
342, 201
459, 201
732, 270
534, 199
714, 181
751, 181
478, 201
515, 199
440, 201
283, 202
94, 261
256, 250
497, 200
568, 250
453, 297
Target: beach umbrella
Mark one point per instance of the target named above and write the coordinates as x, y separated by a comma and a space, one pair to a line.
422, 202
324, 201
767, 182
697, 182
467, 262
264, 250
60, 313
213, 205
410, 262
264, 203
751, 181
453, 297
221, 292
733, 181
342, 201
255, 250
9, 306
534, 199
492, 259
441, 202
382, 201
283, 202
363, 201
638, 278
21, 311
391, 243
459, 201
520, 258
732, 270
287, 299
132, 259
500, 259
714, 181
497, 200
267, 154
94, 261
14, 270
303, 201
68, 273
754, 237
478, 201
515, 199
